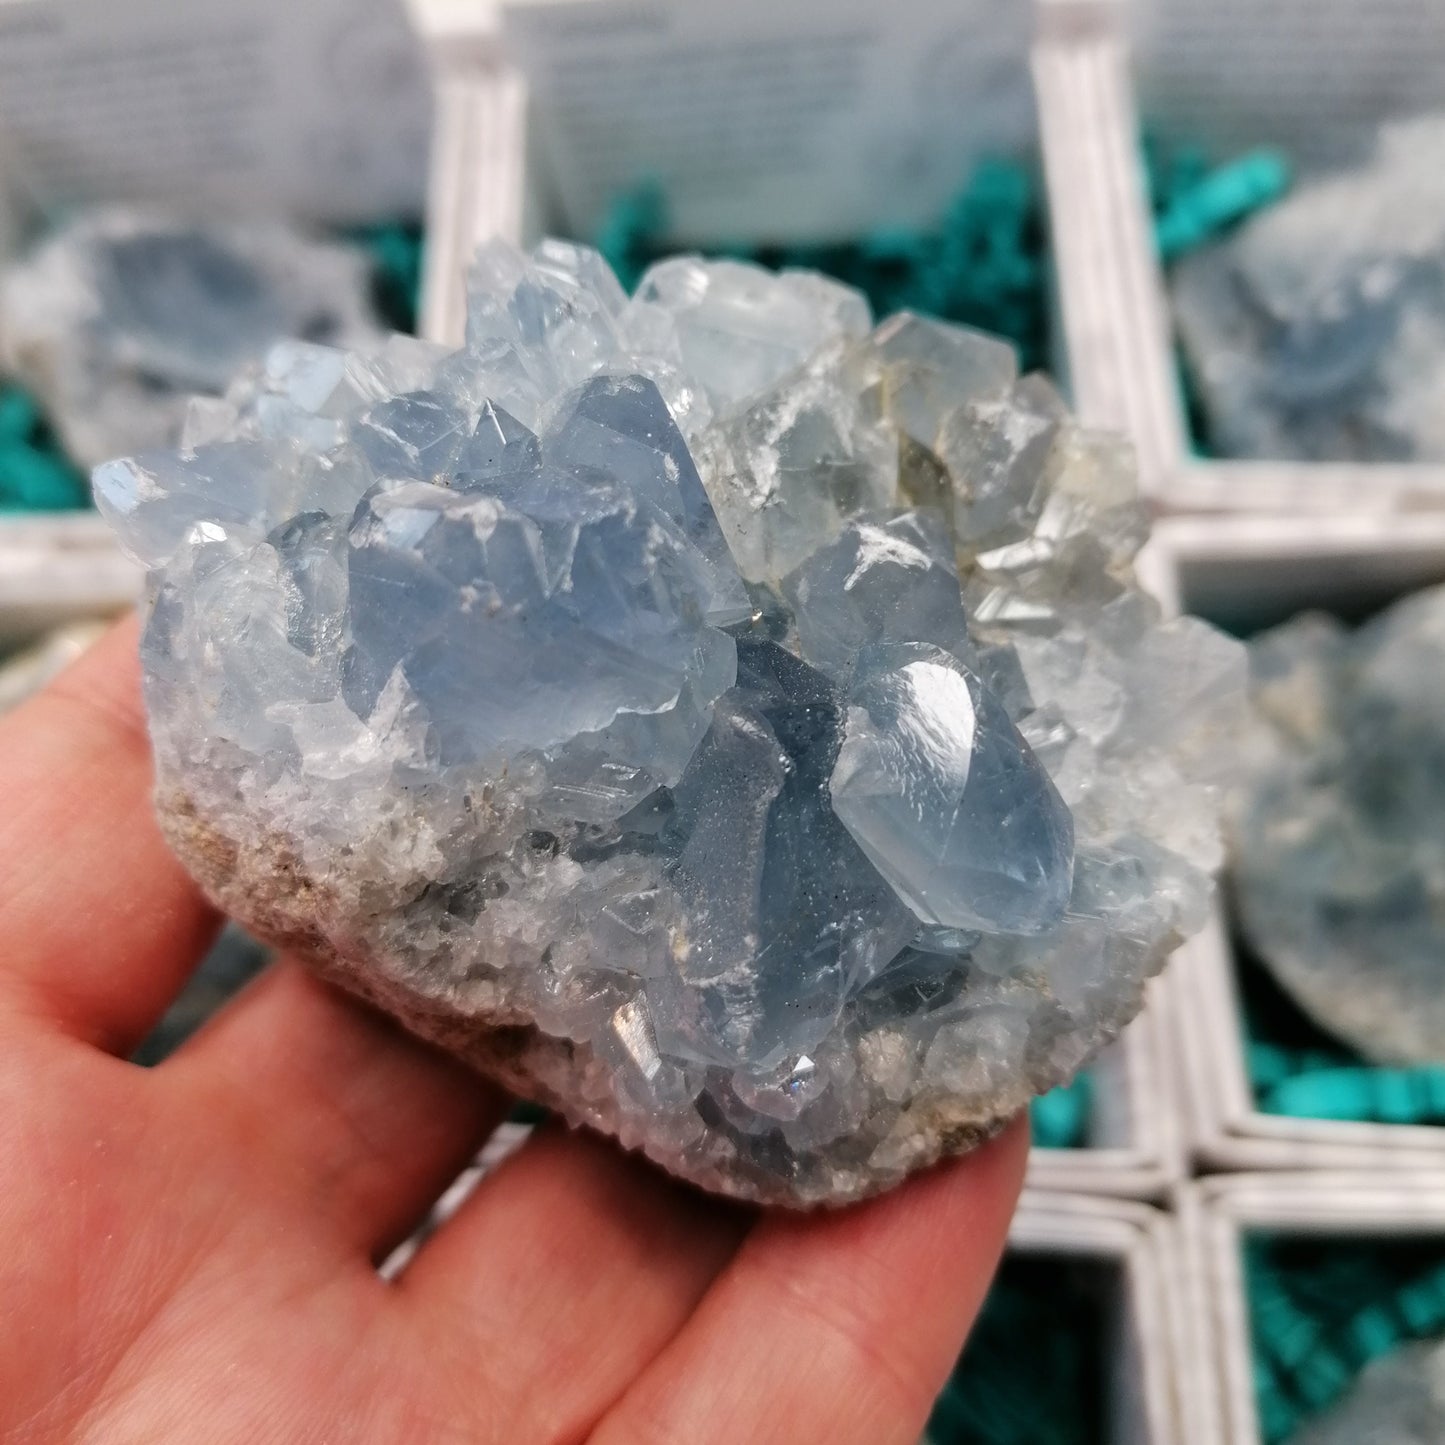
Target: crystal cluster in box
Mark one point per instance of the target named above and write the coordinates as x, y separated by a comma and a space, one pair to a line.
1317, 332
729, 722
117, 318
1339, 851
1399, 1399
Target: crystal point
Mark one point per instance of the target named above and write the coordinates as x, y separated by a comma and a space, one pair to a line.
947, 800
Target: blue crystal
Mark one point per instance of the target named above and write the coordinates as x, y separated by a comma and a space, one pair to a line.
947, 799
886, 579
619, 427
504, 648
417, 435
786, 913
500, 447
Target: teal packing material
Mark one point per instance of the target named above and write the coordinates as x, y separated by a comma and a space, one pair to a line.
35, 475
1297, 1069
1061, 1117
1321, 1309
396, 258
1203, 203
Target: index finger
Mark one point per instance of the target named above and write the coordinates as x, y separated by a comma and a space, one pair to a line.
101, 924
839, 1327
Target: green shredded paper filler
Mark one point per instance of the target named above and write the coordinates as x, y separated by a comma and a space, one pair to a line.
1299, 1070
35, 475
1322, 1308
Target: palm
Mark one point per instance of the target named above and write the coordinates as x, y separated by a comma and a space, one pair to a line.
189, 1252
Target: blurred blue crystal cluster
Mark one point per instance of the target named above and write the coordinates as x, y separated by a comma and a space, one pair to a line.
727, 721
1317, 330
1339, 853
117, 317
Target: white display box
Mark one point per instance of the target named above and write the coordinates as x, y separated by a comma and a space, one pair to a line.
58, 568
1246, 573
491, 174
1312, 78
1150, 1340
488, 180
1216, 1215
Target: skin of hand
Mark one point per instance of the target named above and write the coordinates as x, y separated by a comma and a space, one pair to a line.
189, 1252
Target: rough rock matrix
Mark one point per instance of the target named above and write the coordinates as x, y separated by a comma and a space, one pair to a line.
119, 317
1339, 847
1317, 332
728, 722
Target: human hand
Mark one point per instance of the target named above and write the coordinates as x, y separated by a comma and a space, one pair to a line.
188, 1253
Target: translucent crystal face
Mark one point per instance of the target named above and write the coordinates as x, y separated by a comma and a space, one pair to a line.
947, 799
603, 699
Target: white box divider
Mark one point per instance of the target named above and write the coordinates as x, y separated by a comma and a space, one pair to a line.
1216, 1215
1151, 1345
1114, 330
57, 568
1248, 572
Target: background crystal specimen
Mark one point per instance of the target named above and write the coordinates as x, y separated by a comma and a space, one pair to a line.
729, 723
121, 315
1339, 849
1317, 332
1399, 1399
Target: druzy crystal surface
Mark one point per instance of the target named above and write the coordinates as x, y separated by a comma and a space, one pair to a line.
1317, 331
1339, 845
121, 315
730, 723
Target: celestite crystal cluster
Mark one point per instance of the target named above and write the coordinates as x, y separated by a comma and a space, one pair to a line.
729, 722
1398, 1399
1317, 331
118, 317
1339, 848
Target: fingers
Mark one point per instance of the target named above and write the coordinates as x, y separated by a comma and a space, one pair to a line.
332, 1108
560, 1279
844, 1326
100, 923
